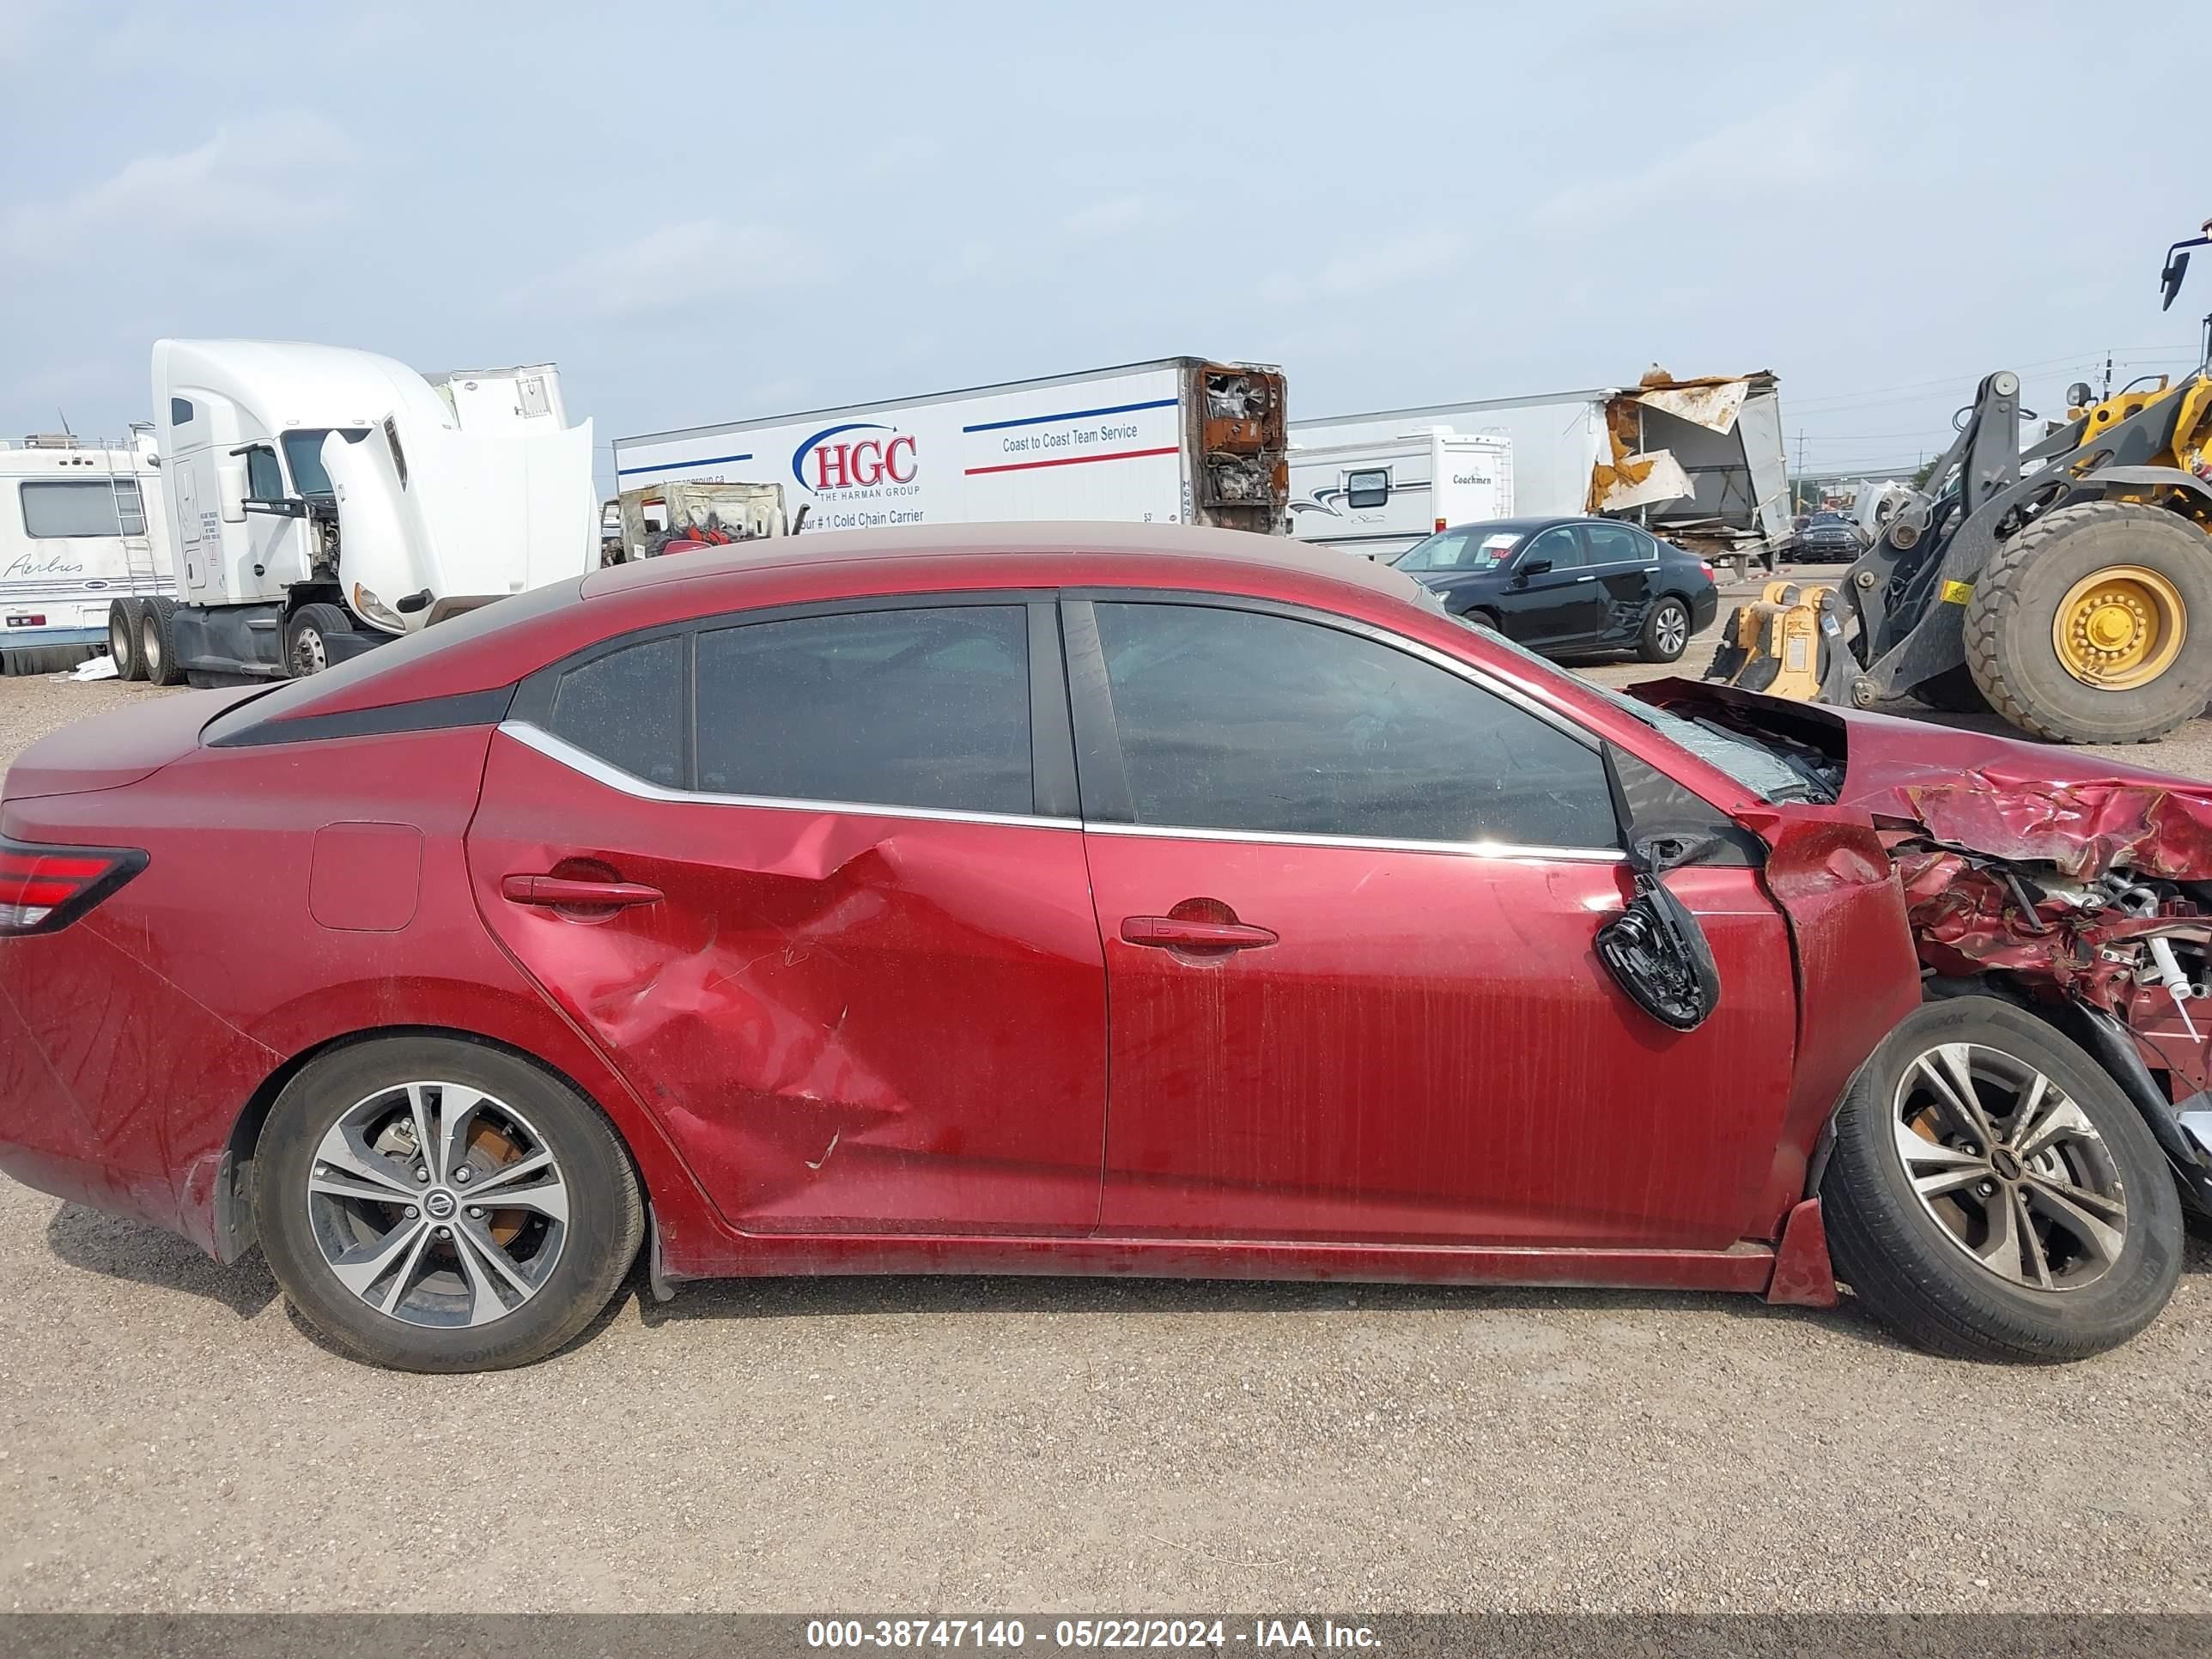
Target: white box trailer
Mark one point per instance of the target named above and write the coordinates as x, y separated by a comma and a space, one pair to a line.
1698, 461
82, 525
1376, 500
1182, 441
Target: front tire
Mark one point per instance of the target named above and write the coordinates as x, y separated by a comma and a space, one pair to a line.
2094, 624
307, 638
1666, 631
1992, 1194
370, 1165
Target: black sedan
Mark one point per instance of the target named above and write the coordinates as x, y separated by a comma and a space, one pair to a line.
1827, 536
1570, 585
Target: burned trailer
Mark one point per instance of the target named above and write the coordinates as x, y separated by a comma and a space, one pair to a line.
2077, 887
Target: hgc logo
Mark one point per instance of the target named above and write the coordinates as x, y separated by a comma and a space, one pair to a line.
828, 460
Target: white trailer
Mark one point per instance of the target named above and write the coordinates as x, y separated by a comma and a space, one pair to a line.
323, 501
1376, 500
1182, 441
81, 526
1699, 462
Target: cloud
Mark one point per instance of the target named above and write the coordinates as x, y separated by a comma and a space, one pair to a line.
1743, 163
262, 178
1103, 219
680, 264
1368, 269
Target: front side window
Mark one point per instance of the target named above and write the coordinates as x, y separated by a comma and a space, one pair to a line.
1560, 545
76, 507
921, 707
263, 482
627, 708
1238, 720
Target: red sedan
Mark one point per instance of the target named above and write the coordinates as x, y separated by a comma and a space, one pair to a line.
1036, 899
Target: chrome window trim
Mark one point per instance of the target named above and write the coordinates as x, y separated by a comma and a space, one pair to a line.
580, 759
564, 753
1480, 849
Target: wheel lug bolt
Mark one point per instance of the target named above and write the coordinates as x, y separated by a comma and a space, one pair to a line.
475, 1214
444, 1232
413, 1212
421, 1175
463, 1173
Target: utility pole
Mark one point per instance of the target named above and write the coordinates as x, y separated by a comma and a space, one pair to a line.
1800, 508
2108, 374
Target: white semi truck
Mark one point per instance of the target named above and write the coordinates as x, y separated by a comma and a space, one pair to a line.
1182, 440
321, 500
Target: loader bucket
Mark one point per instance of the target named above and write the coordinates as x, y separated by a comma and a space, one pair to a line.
1788, 643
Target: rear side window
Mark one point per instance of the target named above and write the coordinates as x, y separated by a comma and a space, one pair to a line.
627, 708
1616, 544
1237, 720
923, 707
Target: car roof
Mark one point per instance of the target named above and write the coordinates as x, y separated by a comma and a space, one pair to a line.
985, 542
496, 643
1529, 526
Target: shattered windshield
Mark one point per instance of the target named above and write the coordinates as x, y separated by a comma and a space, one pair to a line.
1765, 772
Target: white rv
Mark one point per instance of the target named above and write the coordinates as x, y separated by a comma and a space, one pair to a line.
323, 501
1376, 500
1698, 461
1182, 441
81, 525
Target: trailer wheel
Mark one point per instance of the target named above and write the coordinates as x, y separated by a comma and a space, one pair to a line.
125, 621
306, 648
157, 642
2094, 624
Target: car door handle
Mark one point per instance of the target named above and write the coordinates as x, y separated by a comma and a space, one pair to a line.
1585, 579
1172, 932
559, 889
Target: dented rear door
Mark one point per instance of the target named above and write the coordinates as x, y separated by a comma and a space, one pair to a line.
867, 992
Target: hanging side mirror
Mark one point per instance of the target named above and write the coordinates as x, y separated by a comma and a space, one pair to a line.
1654, 950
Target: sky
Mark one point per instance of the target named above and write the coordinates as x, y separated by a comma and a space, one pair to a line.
718, 212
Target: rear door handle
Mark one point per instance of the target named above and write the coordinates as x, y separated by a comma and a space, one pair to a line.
559, 889
1170, 932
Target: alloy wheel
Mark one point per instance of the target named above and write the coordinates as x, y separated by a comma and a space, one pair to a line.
2010, 1167
437, 1204
149, 646
1673, 629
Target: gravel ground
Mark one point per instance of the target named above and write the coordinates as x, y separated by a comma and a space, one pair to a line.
171, 1439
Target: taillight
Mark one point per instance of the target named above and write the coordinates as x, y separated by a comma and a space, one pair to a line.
1707, 569
42, 889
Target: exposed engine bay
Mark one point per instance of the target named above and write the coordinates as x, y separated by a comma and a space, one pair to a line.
2079, 885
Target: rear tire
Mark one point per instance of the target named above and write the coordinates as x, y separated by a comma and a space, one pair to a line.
126, 620
498, 1287
307, 636
1666, 631
1953, 1270
2039, 586
157, 642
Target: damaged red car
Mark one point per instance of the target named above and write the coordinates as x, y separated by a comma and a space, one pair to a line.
1089, 900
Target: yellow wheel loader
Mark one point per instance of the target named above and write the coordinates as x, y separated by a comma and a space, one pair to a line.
2068, 588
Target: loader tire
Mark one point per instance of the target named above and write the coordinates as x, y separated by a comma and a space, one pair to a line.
2094, 624
1954, 691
